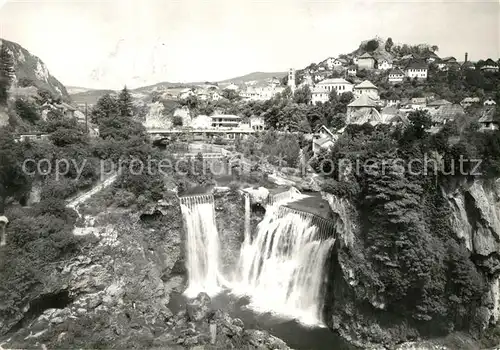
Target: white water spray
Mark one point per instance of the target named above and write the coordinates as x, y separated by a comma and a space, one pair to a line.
282, 268
202, 245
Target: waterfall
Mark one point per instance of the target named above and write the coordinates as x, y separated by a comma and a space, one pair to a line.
202, 245
247, 216
281, 268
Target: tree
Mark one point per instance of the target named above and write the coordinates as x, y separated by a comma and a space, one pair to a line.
13, 180
332, 97
388, 45
303, 95
434, 48
106, 107
372, 45
27, 110
6, 73
125, 103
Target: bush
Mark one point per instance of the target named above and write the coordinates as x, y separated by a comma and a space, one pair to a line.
27, 110
124, 198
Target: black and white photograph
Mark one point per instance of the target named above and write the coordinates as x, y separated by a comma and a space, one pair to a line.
250, 174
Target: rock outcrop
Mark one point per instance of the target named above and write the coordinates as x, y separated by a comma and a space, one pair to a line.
358, 307
29, 69
117, 289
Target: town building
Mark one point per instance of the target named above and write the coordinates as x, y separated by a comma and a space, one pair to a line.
416, 69
363, 110
438, 103
352, 71
319, 95
323, 138
340, 85
185, 93
225, 121
366, 61
261, 93
487, 120
291, 79
366, 88
257, 123
492, 68
489, 102
447, 113
232, 87
385, 64
468, 65
396, 75
418, 103
446, 63
469, 101
31, 136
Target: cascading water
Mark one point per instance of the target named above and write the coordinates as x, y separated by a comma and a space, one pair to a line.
202, 245
281, 269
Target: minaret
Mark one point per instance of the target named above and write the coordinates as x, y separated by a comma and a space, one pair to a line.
3, 236
291, 79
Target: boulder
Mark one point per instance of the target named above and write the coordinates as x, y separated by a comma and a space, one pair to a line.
199, 307
258, 195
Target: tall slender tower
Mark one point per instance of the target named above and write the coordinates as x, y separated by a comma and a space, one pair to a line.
291, 79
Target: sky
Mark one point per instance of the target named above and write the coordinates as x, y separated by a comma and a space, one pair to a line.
106, 44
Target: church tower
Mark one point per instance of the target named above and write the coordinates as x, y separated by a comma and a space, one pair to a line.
291, 79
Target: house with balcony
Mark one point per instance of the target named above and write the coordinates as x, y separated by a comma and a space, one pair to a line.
257, 123
226, 121
396, 76
416, 69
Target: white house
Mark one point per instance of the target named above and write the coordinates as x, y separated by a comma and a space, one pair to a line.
366, 88
338, 84
385, 64
319, 95
489, 102
323, 139
185, 93
352, 71
416, 70
396, 75
232, 87
257, 123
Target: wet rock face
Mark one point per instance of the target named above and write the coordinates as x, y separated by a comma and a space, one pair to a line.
200, 325
198, 308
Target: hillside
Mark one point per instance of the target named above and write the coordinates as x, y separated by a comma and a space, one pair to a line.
31, 71
89, 96
255, 76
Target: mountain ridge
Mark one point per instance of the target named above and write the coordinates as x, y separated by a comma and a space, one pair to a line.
30, 70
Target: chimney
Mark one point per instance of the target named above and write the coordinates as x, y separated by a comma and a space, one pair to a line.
466, 56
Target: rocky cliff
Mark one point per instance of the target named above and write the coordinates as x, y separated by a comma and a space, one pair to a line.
358, 309
31, 71
116, 293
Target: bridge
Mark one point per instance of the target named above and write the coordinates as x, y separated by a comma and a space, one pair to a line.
201, 134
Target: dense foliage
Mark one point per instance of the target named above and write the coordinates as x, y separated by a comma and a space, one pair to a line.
412, 256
